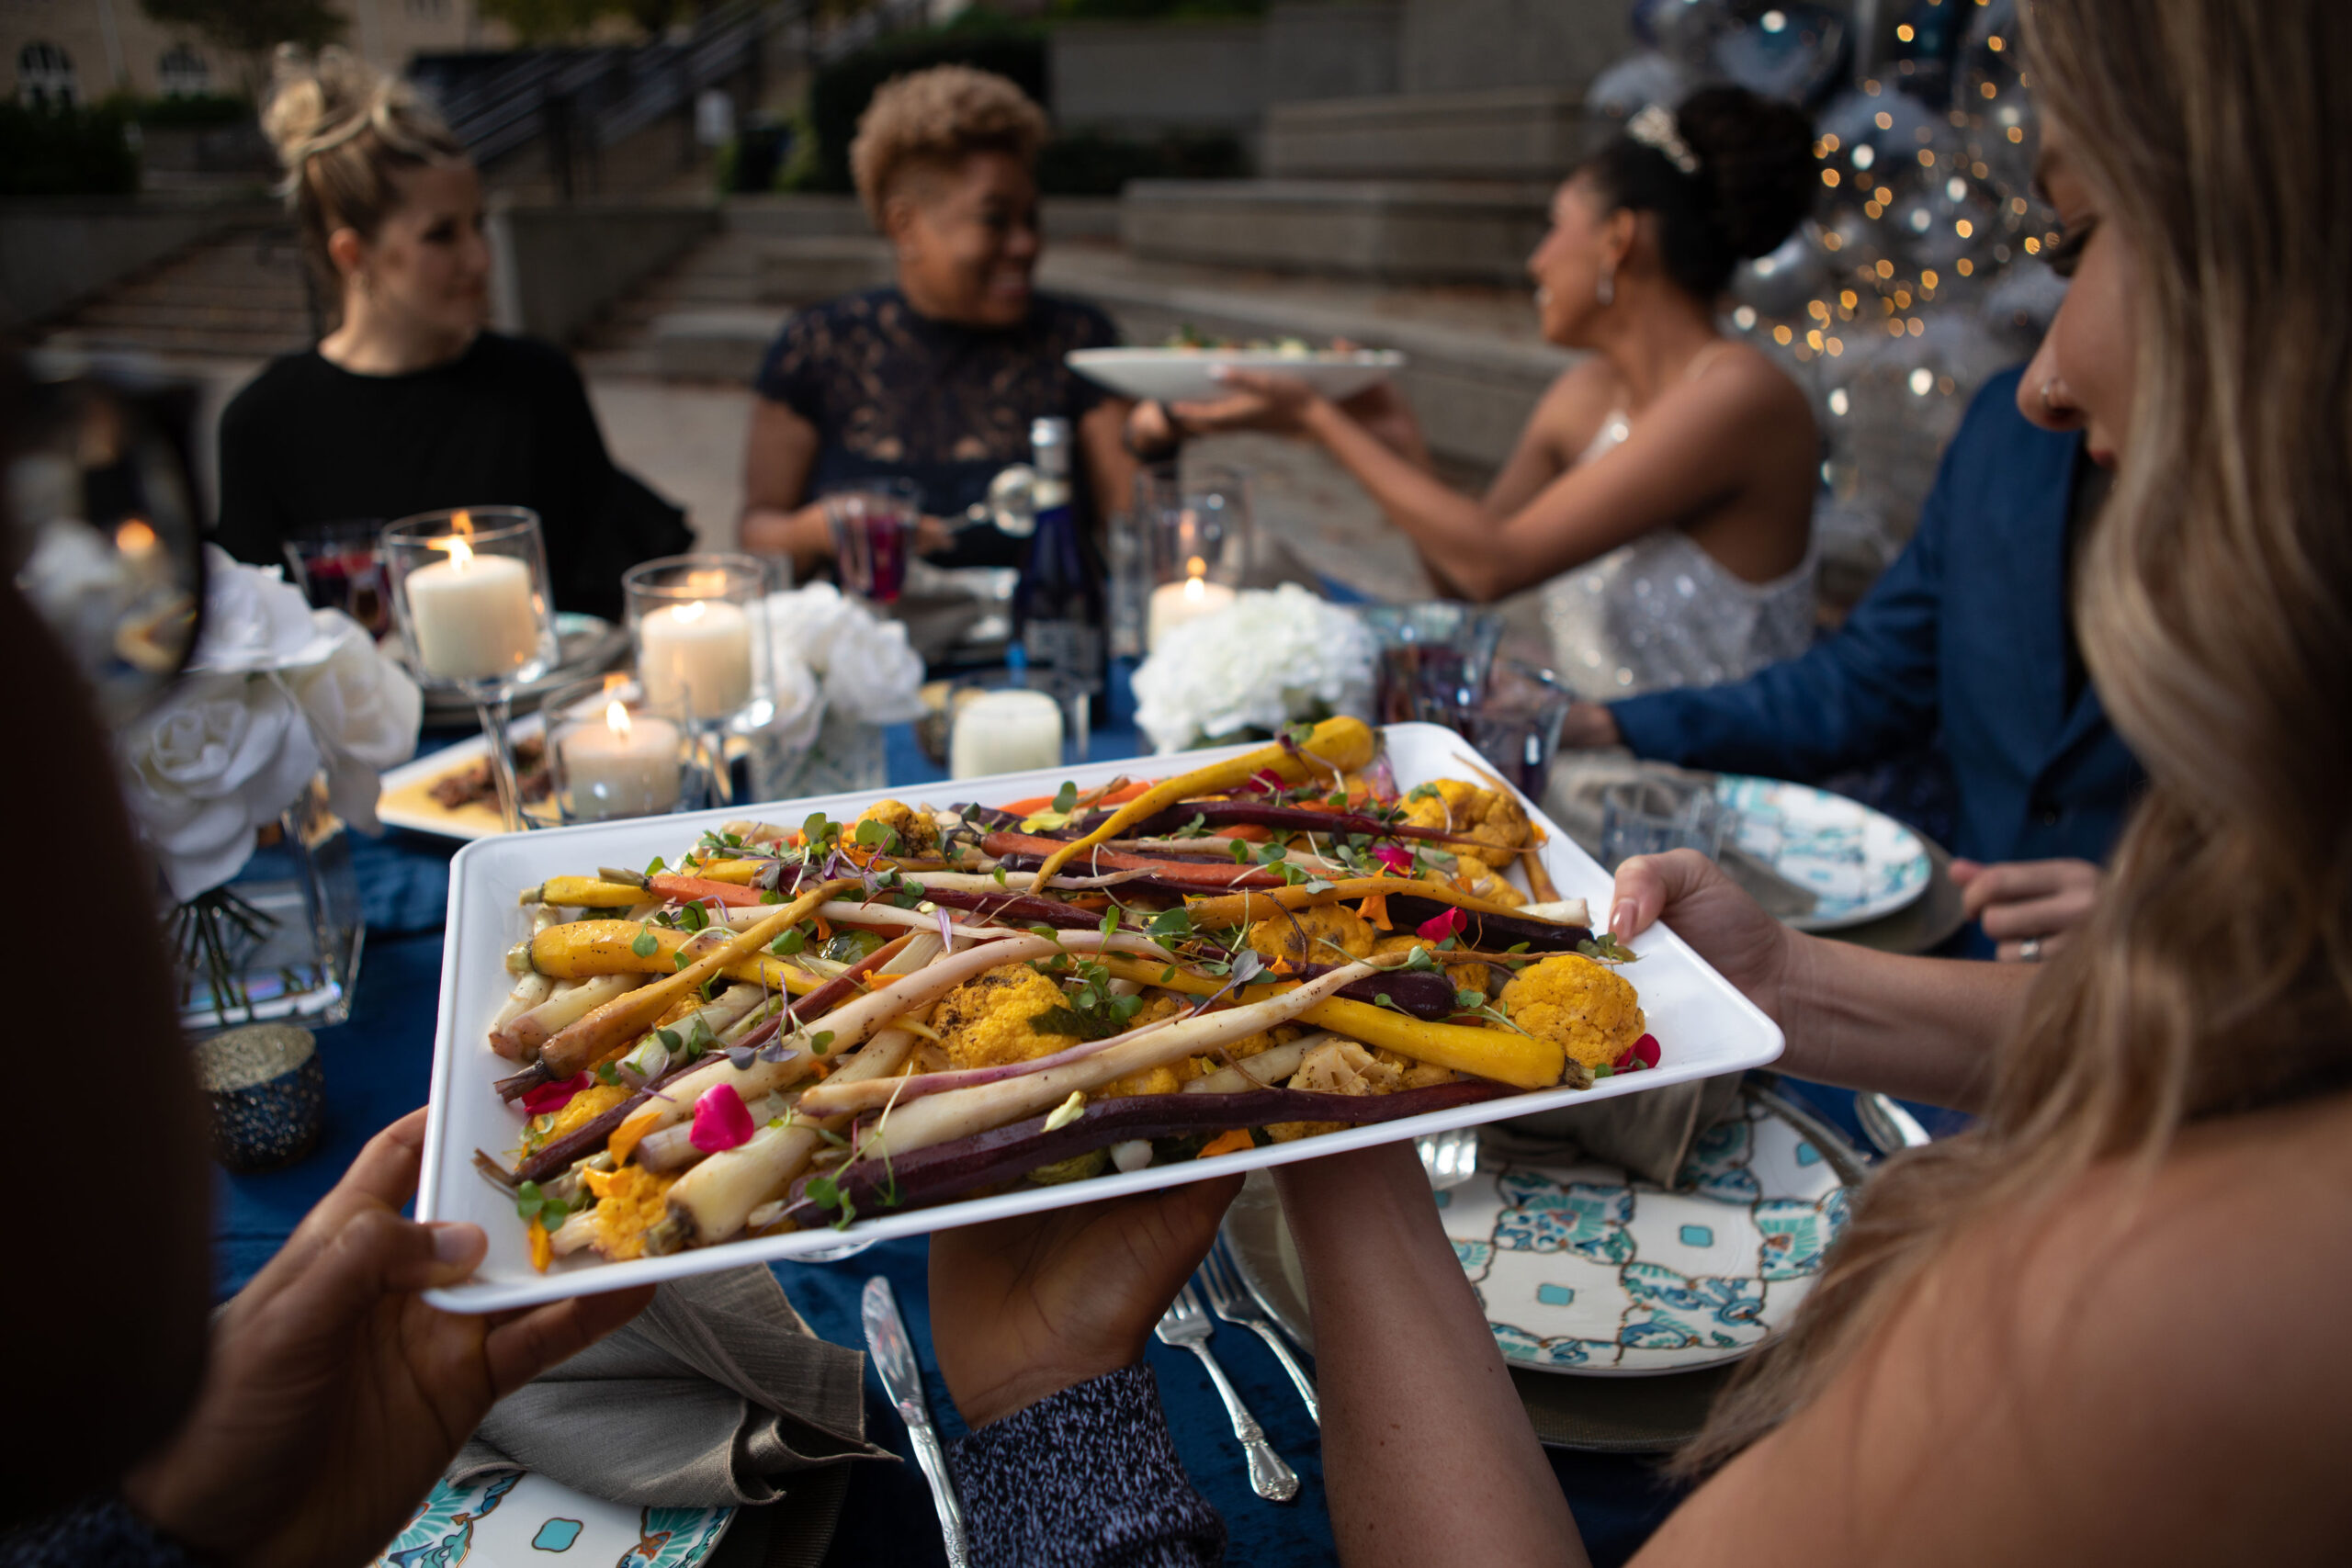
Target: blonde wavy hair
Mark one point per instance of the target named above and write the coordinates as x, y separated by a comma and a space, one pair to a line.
932, 120
2215, 602
345, 133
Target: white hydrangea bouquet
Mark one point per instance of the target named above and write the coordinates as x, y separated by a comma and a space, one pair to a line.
842, 671
1266, 661
276, 695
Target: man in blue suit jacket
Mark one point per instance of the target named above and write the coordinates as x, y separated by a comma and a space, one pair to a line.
1967, 632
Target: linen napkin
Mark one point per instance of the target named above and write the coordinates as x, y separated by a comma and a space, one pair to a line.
718, 1394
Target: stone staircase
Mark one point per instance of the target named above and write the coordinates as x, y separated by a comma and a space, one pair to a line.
237, 295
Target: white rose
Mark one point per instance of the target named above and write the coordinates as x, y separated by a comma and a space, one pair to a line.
363, 711
219, 756
807, 621
799, 706
875, 674
251, 619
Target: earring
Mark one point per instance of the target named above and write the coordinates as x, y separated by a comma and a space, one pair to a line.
1607, 290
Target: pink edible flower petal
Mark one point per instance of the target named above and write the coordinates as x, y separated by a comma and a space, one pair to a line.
1437, 928
1642, 1053
721, 1119
1395, 858
1265, 781
555, 1096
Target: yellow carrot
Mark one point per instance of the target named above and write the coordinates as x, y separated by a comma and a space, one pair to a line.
1338, 745
581, 949
587, 893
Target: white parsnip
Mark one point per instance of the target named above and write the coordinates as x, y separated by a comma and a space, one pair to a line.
519, 1038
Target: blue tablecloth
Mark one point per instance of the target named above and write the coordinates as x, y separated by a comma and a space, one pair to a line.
377, 1068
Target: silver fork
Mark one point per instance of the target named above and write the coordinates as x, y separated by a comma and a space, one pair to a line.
1185, 1324
1222, 1281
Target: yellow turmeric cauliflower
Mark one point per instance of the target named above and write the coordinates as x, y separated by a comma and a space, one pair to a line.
985, 1021
1484, 882
1588, 1007
1490, 817
628, 1202
1331, 933
917, 835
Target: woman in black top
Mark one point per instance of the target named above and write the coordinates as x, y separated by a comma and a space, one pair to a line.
935, 380
408, 404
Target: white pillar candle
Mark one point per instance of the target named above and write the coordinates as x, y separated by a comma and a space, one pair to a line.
700, 651
624, 767
1005, 732
472, 616
1174, 603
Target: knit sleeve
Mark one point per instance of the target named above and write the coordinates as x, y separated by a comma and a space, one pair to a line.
100, 1530
1088, 1478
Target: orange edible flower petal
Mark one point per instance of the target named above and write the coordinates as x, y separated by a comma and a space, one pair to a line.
1227, 1144
542, 1245
1375, 911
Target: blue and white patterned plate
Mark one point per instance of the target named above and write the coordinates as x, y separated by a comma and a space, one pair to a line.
1857, 862
1582, 1269
511, 1517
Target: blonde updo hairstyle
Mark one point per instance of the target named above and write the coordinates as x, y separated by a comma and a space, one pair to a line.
345, 133
929, 122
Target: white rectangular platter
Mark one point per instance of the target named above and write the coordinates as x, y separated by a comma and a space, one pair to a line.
1704, 1027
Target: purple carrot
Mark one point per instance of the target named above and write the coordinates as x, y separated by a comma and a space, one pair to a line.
1015, 909
949, 1170
1494, 932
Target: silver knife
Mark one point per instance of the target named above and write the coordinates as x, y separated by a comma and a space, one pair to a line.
893, 1360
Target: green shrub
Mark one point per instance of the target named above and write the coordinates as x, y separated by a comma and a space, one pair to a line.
839, 91
202, 111
66, 151
1087, 163
1154, 10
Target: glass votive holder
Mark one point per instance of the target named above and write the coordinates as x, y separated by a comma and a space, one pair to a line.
613, 753
701, 637
471, 595
1003, 729
1650, 817
873, 522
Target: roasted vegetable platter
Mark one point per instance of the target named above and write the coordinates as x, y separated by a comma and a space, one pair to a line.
687, 1043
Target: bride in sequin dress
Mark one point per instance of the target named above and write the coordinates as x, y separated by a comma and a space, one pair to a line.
1662, 493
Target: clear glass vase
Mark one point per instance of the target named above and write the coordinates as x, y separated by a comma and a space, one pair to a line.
848, 754
282, 938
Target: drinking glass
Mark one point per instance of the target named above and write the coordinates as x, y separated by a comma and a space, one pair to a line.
1650, 817
1517, 726
472, 599
1433, 653
612, 751
873, 522
337, 567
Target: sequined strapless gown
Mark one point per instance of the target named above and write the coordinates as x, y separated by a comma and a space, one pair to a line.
1660, 612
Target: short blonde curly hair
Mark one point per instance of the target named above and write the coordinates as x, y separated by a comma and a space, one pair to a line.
936, 118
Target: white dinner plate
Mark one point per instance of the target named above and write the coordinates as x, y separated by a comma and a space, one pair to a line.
1182, 375
513, 1518
404, 795
1859, 863
1703, 1026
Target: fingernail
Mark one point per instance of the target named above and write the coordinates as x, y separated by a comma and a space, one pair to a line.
453, 1244
1620, 918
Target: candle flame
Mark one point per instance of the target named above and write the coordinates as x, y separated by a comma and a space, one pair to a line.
688, 615
616, 719
134, 537
1196, 568
1195, 591
614, 680
707, 581
461, 554
462, 522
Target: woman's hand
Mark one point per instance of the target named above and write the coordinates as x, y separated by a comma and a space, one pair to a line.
2029, 900
1707, 909
1026, 1307
334, 1395
1260, 400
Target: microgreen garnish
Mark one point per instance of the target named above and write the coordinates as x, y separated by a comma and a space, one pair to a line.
1606, 949
656, 865
1066, 799
788, 942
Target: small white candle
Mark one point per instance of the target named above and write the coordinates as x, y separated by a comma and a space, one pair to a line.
1005, 732
624, 767
1174, 603
472, 616
700, 653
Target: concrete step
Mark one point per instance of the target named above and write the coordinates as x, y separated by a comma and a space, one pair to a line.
713, 345
190, 314
1397, 231
817, 216
1507, 134
205, 343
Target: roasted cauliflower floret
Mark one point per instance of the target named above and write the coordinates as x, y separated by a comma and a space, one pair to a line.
1340, 1067
917, 835
1332, 933
1484, 882
1490, 817
1469, 974
629, 1201
1588, 1007
988, 1020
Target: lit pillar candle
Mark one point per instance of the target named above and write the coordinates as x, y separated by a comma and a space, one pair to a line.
472, 616
1005, 732
697, 656
624, 767
1174, 603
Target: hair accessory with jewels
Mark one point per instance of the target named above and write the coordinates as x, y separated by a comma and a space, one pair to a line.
1654, 128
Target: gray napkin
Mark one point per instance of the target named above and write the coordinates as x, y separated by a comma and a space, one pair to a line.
1578, 779
716, 1395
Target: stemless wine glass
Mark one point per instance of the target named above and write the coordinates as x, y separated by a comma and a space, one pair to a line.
873, 522
471, 595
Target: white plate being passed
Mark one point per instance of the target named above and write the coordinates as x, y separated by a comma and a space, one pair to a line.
512, 1518
1703, 1026
1859, 863
1182, 375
